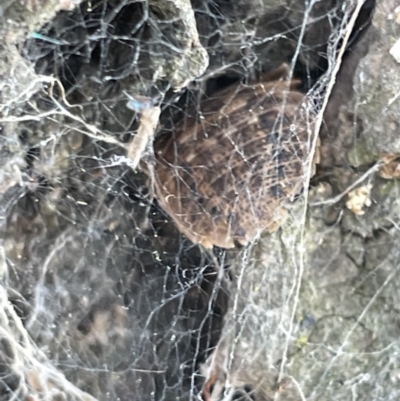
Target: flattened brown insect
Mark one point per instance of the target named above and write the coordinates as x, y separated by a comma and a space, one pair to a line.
225, 177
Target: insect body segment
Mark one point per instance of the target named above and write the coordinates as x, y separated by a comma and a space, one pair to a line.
226, 177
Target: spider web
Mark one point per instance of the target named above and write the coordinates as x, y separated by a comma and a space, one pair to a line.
102, 297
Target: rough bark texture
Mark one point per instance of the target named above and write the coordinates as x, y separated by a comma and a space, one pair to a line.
102, 298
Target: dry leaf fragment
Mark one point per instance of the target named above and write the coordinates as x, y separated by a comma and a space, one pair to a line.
391, 168
358, 198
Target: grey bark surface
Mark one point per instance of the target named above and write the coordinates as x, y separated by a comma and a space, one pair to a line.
102, 298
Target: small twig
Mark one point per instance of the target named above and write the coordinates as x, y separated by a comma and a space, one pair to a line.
144, 135
337, 198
